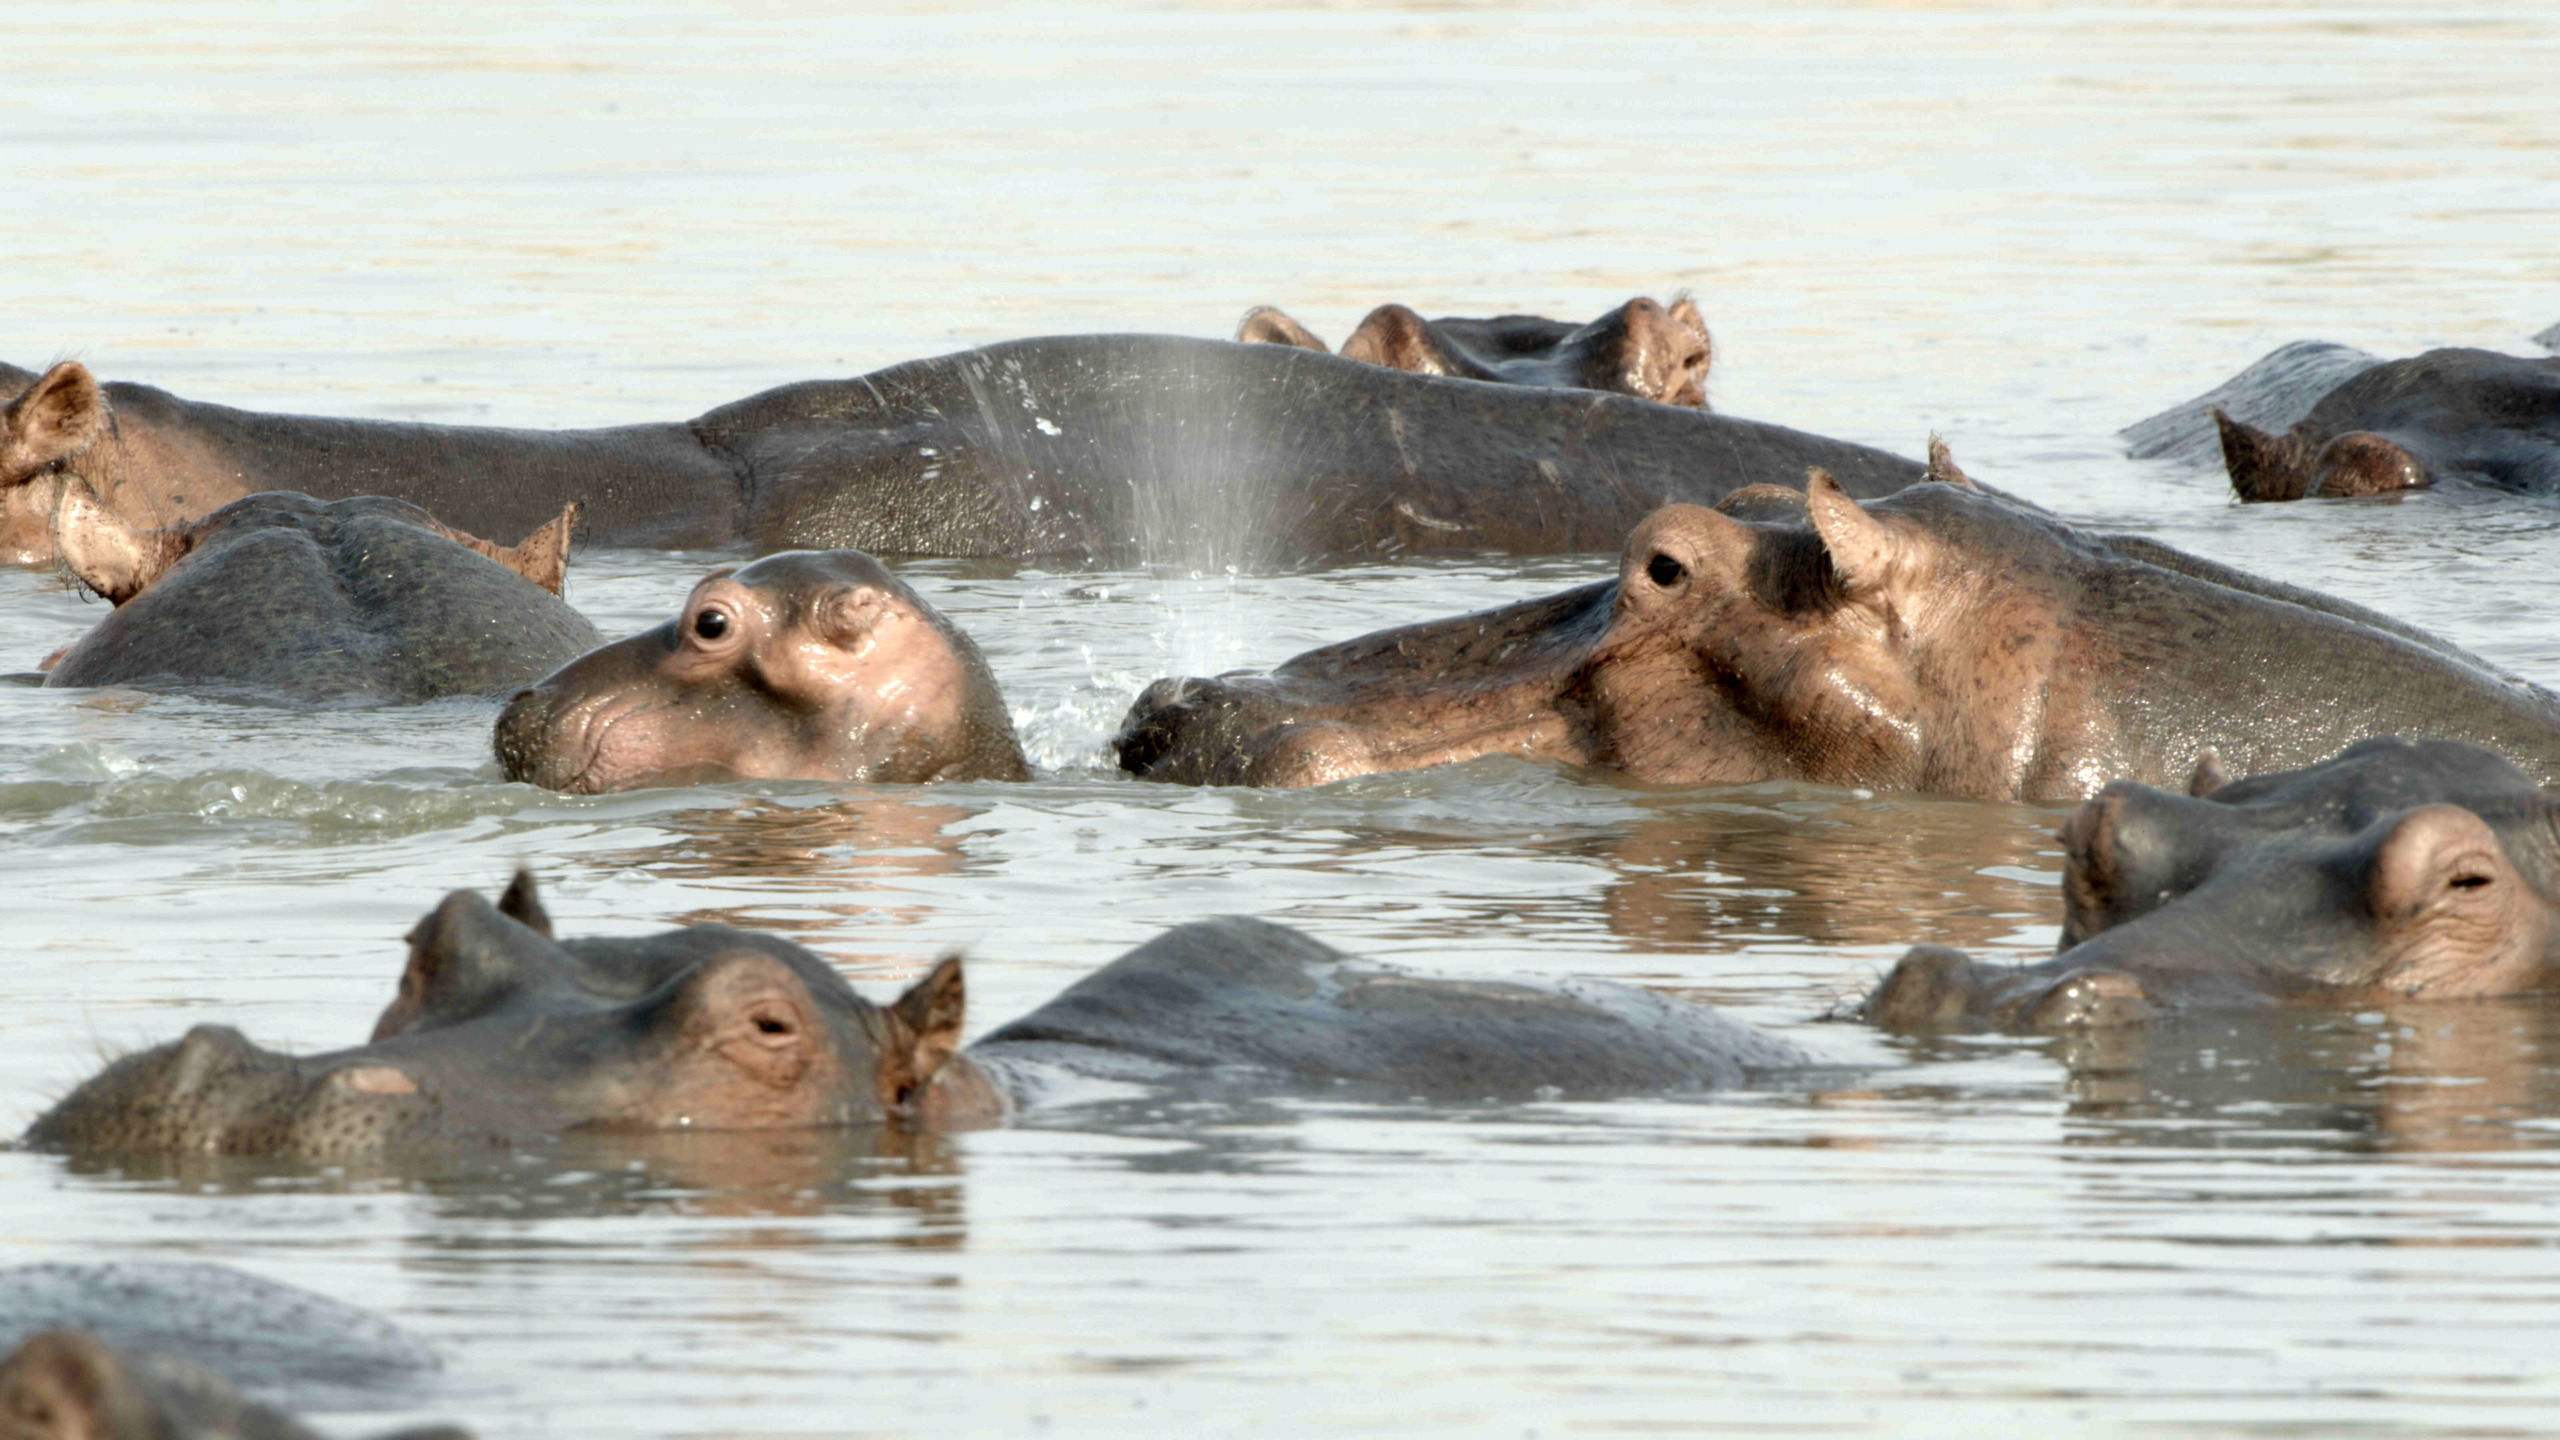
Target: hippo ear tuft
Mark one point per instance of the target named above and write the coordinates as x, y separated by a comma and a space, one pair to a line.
2209, 775
1942, 465
2261, 466
1867, 556
1265, 325
109, 556
924, 1033
522, 903
57, 417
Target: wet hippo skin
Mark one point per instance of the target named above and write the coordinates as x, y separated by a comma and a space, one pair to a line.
1639, 349
499, 1034
815, 665
68, 1385
287, 596
1106, 447
1939, 640
2401, 869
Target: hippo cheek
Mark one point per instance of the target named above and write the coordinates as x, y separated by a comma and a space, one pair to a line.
2451, 915
739, 1044
2363, 463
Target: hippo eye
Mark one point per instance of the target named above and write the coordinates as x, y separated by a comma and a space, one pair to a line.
772, 1025
1665, 571
2468, 882
711, 624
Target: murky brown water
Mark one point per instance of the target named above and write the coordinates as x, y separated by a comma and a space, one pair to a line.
2023, 227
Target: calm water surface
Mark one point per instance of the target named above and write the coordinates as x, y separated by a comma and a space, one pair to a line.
2023, 227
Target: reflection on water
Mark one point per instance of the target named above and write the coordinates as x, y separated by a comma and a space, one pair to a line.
2021, 227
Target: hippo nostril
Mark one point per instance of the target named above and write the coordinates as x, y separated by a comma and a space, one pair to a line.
1664, 571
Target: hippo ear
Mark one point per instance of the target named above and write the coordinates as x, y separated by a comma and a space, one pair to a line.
58, 416
1868, 557
2261, 466
1684, 313
848, 612
1942, 465
2209, 775
541, 557
1399, 339
109, 556
465, 959
1264, 325
923, 1028
523, 904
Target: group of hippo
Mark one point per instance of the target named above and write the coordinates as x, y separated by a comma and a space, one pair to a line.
2283, 798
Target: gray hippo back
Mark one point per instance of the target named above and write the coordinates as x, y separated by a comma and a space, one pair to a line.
315, 600
1243, 995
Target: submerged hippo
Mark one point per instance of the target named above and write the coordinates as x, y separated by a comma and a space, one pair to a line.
1126, 447
2314, 420
2400, 869
1941, 640
316, 600
69, 1385
813, 665
500, 1033
1638, 349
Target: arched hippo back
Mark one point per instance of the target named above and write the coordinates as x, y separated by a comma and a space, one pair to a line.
363, 598
1237, 993
1153, 447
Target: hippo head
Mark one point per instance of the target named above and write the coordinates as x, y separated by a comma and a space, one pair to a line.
500, 1033
1770, 638
2399, 868
52, 419
2299, 465
119, 561
1641, 348
812, 665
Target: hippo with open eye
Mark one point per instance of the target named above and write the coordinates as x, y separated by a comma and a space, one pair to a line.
69, 1385
1941, 639
500, 1033
286, 595
809, 665
1638, 349
2401, 869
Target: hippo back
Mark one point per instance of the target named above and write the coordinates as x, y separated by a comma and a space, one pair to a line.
1236, 993
318, 601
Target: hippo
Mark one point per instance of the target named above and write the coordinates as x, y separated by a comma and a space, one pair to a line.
69, 1385
108, 1349
2399, 869
808, 665
500, 1034
1111, 448
2314, 419
312, 600
1941, 640
1638, 349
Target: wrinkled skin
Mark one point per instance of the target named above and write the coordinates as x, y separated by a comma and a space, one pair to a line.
67, 1385
809, 666
2398, 870
1099, 447
286, 595
1939, 640
500, 1033
1638, 349
2471, 416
